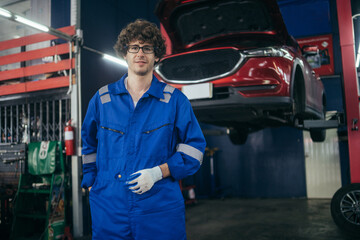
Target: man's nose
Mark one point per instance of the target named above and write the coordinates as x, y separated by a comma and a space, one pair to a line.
141, 51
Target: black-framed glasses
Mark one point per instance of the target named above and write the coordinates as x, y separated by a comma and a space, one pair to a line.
135, 49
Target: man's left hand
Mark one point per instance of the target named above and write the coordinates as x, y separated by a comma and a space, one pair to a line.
143, 180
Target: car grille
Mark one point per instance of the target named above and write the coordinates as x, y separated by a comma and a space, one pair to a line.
200, 66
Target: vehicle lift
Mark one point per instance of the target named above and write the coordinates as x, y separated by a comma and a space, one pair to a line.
345, 204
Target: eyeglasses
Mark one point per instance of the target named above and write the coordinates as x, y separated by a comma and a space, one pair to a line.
135, 49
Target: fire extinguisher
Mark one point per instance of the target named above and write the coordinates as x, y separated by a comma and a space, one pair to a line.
69, 139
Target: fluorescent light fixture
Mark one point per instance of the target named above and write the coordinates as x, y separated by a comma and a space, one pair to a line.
31, 23
5, 13
116, 60
358, 51
38, 26
358, 56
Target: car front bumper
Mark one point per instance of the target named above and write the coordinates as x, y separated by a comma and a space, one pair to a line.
236, 108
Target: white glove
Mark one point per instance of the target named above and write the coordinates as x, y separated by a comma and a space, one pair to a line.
143, 180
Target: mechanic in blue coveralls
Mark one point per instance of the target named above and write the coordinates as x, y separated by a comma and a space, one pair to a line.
140, 136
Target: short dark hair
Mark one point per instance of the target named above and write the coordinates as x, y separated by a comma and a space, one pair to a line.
141, 30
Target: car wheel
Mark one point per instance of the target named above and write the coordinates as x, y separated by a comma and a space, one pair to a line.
345, 209
238, 136
318, 135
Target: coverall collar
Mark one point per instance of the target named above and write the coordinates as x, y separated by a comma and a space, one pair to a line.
155, 90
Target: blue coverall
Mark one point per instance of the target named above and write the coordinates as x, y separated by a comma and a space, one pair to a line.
120, 139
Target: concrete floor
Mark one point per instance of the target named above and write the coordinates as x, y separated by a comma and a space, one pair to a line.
262, 219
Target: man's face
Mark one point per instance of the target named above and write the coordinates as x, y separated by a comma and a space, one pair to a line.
140, 63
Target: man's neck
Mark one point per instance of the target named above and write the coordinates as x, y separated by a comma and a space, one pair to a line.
137, 85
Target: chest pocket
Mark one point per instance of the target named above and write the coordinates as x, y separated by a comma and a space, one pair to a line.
155, 129
156, 139
113, 130
111, 141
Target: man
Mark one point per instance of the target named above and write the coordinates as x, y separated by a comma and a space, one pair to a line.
140, 137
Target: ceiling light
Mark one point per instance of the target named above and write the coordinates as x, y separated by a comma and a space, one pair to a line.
11, 16
116, 60
358, 56
5, 13
31, 23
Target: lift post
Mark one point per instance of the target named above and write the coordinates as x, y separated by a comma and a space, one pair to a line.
345, 204
350, 82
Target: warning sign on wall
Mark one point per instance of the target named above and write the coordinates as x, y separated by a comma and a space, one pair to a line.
318, 51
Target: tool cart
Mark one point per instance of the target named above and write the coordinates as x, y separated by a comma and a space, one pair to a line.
39, 211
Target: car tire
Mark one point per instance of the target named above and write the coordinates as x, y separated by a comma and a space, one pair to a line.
238, 136
345, 209
318, 135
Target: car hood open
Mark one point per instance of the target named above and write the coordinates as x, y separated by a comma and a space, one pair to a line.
192, 23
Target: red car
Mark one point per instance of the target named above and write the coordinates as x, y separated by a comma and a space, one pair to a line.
238, 65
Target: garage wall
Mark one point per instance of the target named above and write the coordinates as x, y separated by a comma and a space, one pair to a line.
306, 17
270, 164
60, 13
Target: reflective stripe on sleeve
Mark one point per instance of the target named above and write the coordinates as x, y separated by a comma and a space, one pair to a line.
90, 158
105, 98
103, 90
190, 151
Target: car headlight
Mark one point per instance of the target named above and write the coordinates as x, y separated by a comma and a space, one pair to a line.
267, 52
